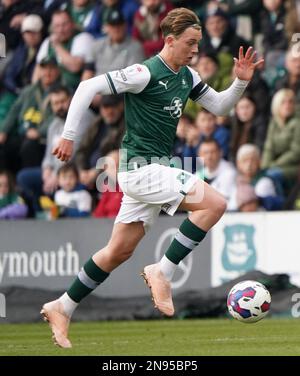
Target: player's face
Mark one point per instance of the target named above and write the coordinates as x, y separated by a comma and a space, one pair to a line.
185, 47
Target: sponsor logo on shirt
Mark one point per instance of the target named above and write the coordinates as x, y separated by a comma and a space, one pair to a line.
123, 75
164, 84
175, 107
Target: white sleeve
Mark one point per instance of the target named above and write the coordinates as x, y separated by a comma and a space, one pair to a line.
196, 77
82, 45
43, 51
217, 103
132, 79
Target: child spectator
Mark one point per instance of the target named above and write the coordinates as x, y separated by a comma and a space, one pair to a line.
72, 199
12, 206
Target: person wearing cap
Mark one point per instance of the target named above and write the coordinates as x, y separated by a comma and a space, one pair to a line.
127, 7
114, 51
24, 128
103, 136
155, 95
68, 46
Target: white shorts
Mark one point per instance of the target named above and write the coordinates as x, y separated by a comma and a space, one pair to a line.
150, 189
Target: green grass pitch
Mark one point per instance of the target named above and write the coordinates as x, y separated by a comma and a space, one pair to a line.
159, 337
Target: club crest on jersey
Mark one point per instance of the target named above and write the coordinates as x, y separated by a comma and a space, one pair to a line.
175, 107
184, 84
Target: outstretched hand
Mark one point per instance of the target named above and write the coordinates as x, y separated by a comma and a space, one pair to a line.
63, 150
245, 66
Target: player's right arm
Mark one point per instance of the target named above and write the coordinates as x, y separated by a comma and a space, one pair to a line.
131, 79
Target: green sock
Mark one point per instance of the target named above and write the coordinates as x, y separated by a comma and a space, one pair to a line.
89, 277
186, 239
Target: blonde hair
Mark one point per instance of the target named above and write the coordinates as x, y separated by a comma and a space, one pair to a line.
178, 20
277, 100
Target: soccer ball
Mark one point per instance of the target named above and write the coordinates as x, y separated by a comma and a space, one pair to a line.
248, 301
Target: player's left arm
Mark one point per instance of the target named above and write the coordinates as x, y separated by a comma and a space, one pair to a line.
220, 103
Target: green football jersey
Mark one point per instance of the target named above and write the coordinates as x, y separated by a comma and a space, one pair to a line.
153, 109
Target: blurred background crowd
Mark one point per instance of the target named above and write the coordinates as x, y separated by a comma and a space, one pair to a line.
252, 156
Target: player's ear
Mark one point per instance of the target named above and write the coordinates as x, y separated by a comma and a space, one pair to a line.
169, 40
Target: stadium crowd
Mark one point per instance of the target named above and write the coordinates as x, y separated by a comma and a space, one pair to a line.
252, 156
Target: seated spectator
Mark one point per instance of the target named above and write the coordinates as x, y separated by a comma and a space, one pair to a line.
244, 13
208, 68
115, 51
12, 205
184, 123
103, 136
281, 154
207, 65
12, 14
206, 122
72, 199
18, 72
292, 19
25, 127
291, 78
127, 7
247, 126
249, 172
215, 170
146, 26
86, 15
221, 40
36, 181
68, 46
111, 196
275, 40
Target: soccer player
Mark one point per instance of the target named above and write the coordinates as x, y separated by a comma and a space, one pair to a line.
155, 95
